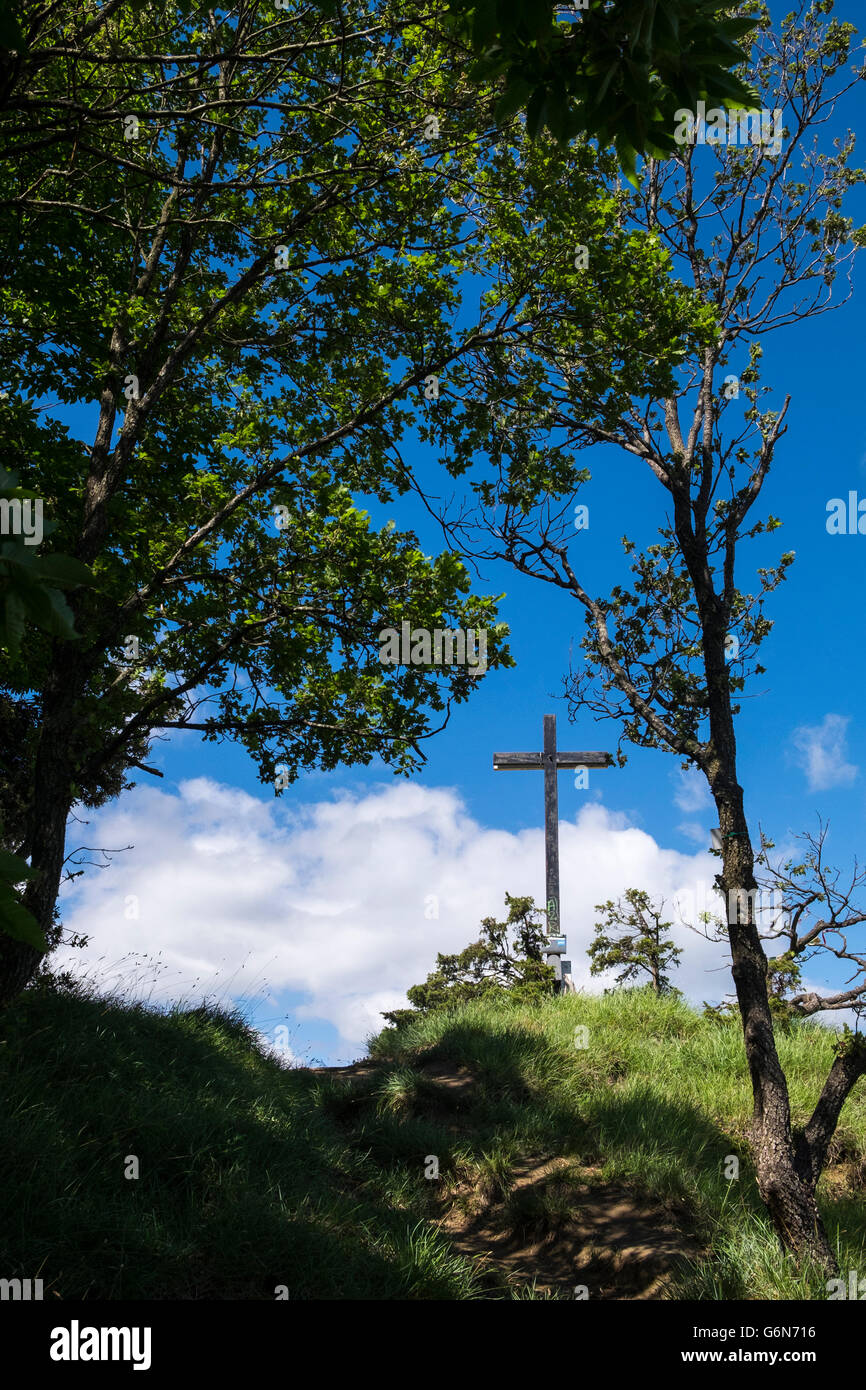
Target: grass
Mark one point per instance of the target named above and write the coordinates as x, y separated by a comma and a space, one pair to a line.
253, 1176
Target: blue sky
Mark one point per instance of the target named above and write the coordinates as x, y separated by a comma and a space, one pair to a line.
320, 908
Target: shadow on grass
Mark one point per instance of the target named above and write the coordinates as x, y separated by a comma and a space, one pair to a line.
165, 1156
242, 1184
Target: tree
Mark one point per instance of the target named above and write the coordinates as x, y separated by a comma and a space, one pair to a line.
819, 910
669, 656
617, 72
235, 244
507, 956
633, 935
805, 902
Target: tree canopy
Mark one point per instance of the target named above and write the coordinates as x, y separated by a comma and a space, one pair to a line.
236, 250
618, 72
632, 938
508, 956
228, 258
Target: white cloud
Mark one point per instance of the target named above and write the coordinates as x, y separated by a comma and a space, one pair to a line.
695, 831
820, 750
692, 792
336, 900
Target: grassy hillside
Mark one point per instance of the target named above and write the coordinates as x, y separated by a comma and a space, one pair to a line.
559, 1166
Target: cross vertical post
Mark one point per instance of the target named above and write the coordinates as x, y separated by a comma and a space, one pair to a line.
551, 825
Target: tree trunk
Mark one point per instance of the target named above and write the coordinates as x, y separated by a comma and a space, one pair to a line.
787, 1190
791, 1203
45, 844
18, 964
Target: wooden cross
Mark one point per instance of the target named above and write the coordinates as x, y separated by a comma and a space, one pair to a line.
551, 761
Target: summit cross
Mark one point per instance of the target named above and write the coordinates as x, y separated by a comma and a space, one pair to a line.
550, 760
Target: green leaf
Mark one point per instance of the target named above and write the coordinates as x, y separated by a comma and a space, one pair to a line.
14, 627
484, 23
627, 156
52, 613
667, 24
513, 98
14, 869
64, 571
601, 92
11, 33
535, 112
18, 923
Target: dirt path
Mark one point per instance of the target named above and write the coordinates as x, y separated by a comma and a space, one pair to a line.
604, 1243
365, 1068
558, 1224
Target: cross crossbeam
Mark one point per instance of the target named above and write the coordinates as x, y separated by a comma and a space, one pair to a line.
519, 762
